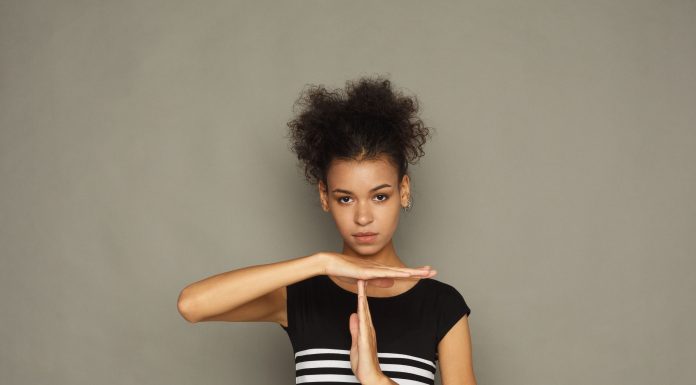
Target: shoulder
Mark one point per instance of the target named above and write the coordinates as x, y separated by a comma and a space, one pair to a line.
446, 296
450, 307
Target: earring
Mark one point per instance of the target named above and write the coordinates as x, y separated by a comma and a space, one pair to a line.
409, 205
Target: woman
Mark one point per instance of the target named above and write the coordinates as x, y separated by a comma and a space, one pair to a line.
360, 315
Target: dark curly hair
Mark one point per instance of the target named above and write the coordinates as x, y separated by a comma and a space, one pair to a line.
364, 121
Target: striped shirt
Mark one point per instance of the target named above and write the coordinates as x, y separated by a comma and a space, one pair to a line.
408, 326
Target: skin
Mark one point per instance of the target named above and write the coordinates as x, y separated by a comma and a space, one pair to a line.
364, 210
359, 208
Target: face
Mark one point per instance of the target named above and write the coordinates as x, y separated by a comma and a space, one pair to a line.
364, 197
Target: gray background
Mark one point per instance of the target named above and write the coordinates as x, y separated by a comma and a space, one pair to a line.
142, 148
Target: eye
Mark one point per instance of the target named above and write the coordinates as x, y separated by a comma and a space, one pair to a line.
339, 200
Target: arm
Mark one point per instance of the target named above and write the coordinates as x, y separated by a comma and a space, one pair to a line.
454, 351
219, 295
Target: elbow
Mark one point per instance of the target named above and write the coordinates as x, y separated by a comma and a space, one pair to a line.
186, 307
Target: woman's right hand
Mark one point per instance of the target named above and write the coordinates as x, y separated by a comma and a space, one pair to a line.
349, 269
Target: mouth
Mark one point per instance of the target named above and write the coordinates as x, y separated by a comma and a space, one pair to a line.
366, 237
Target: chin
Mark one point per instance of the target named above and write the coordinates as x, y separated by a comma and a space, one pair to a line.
367, 249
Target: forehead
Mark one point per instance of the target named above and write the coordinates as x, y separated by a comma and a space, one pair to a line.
360, 175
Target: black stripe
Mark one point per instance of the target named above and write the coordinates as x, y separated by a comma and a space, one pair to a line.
324, 370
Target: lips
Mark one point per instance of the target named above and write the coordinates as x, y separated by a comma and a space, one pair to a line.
365, 237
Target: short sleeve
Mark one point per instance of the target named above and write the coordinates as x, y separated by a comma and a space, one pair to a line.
451, 308
291, 306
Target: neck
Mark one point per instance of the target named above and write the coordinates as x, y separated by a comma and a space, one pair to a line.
386, 256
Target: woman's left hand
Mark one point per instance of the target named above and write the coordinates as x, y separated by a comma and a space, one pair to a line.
363, 350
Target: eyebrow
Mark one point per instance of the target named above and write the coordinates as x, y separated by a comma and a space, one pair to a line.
371, 190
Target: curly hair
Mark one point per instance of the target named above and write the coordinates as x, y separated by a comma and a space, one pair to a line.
363, 121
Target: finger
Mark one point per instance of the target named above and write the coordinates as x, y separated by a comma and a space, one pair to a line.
426, 272
370, 334
410, 271
354, 344
388, 272
362, 304
422, 271
365, 303
368, 316
405, 275
354, 329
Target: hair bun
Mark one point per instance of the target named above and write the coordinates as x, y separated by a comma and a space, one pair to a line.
365, 120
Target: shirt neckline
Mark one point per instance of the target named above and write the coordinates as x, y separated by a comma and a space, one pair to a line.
339, 288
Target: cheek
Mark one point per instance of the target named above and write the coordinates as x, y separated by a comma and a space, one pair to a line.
392, 220
343, 219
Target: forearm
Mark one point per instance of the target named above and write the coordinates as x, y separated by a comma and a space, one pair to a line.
225, 291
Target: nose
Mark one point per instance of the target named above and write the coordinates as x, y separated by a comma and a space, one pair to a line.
363, 214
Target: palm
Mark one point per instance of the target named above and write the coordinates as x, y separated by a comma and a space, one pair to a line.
363, 350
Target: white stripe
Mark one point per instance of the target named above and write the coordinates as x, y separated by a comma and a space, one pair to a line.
383, 367
407, 369
342, 351
326, 378
403, 381
322, 364
406, 356
346, 365
347, 378
321, 351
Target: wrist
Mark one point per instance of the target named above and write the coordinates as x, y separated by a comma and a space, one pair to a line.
319, 261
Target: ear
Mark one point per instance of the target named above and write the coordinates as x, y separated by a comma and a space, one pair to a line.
405, 190
323, 196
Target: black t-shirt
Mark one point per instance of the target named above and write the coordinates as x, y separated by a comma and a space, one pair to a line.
409, 327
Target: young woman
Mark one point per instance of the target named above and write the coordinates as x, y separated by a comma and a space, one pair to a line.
359, 316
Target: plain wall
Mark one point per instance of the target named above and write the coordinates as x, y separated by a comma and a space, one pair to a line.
142, 147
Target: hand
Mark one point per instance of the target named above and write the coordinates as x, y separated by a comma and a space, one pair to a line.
363, 349
350, 269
